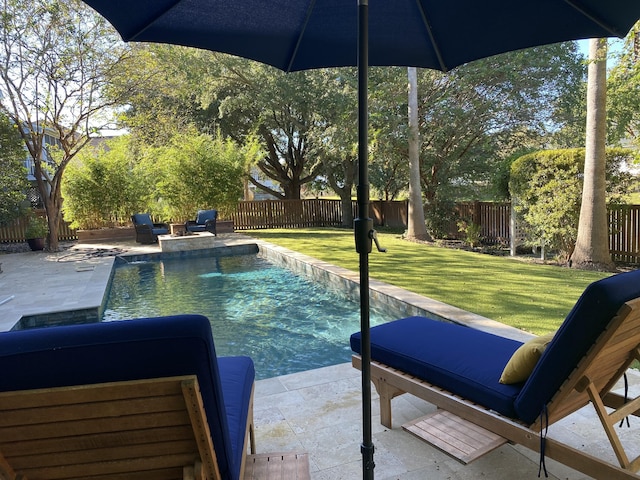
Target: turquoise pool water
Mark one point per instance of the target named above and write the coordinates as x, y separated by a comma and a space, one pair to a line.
285, 322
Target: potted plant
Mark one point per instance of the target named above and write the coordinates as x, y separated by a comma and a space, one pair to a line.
36, 232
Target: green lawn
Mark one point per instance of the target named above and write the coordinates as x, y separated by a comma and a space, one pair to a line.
535, 298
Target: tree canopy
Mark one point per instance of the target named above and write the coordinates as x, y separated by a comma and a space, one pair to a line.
56, 59
13, 174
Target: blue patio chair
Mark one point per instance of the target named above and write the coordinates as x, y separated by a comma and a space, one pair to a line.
146, 230
205, 222
143, 398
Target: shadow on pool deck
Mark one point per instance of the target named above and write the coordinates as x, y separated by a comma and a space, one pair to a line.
317, 411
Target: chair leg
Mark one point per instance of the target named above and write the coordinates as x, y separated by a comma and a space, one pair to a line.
609, 420
6, 472
386, 393
194, 472
252, 439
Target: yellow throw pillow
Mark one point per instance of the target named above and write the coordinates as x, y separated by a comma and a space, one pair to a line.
524, 359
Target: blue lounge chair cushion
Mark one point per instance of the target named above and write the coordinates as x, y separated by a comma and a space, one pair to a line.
237, 375
587, 320
132, 350
469, 362
462, 360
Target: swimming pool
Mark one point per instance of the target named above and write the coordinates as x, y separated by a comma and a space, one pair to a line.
284, 321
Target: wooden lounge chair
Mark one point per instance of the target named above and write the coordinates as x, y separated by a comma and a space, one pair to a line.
458, 370
137, 399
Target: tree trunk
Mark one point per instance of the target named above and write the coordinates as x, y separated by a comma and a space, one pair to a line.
53, 207
347, 211
344, 192
416, 228
592, 245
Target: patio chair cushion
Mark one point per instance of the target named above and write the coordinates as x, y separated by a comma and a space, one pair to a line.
462, 360
204, 215
591, 314
205, 221
468, 362
145, 219
131, 350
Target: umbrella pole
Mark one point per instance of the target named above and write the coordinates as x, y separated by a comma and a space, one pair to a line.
363, 230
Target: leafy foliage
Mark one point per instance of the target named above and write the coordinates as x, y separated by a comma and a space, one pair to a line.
100, 188
547, 190
199, 172
480, 113
36, 227
105, 185
623, 107
56, 58
13, 174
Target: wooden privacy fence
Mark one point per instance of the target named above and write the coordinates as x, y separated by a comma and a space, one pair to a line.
15, 232
494, 220
624, 233
312, 213
287, 214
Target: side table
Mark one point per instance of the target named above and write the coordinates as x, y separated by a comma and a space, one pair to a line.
176, 228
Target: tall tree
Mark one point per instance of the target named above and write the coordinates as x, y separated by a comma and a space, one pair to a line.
416, 226
335, 148
480, 113
55, 59
249, 99
592, 243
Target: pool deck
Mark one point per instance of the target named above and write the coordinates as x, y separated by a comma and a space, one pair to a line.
318, 411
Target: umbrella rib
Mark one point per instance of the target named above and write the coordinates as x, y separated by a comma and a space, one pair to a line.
427, 25
299, 41
151, 22
575, 4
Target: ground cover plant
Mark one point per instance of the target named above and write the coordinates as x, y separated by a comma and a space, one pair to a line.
532, 297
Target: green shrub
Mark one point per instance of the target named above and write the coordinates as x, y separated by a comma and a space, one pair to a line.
471, 231
546, 188
100, 188
13, 174
198, 172
36, 228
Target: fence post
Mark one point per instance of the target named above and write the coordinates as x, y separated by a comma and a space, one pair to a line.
512, 230
477, 213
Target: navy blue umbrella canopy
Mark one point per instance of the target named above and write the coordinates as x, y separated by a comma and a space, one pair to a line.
301, 34
297, 35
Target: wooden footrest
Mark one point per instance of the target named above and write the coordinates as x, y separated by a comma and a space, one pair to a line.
455, 436
274, 466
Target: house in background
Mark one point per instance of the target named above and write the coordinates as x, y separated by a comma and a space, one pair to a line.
252, 192
50, 140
